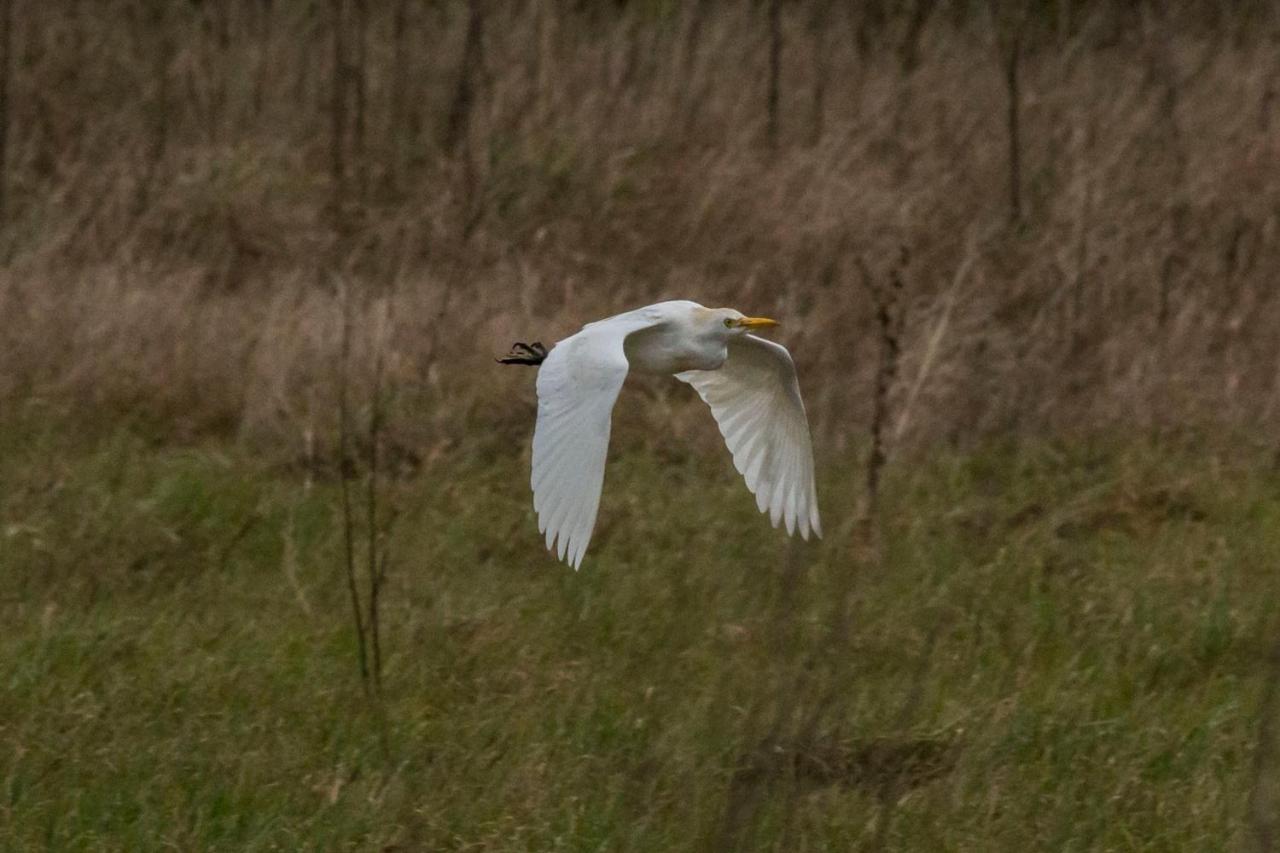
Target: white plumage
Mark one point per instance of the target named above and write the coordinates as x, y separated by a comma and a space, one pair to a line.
749, 383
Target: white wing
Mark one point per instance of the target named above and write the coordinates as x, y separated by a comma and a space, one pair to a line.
755, 400
577, 387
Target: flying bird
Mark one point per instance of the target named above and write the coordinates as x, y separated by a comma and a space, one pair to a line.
749, 383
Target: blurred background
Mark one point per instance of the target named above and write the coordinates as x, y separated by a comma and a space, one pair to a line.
259, 257
1087, 192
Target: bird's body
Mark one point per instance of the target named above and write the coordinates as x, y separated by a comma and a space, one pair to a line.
678, 342
749, 383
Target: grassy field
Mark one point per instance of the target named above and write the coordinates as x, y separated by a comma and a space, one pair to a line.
1033, 247
1055, 648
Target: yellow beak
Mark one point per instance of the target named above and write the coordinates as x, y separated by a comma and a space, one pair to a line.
757, 322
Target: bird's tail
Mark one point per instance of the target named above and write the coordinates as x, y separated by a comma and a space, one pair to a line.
534, 354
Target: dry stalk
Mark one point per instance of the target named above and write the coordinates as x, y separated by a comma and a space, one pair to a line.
887, 302
376, 567
345, 464
366, 607
377, 544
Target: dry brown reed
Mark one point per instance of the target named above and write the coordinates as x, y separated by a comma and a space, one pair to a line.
517, 168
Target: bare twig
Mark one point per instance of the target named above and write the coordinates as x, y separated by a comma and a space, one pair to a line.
344, 476
887, 301
376, 556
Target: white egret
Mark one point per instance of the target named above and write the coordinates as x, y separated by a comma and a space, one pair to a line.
749, 383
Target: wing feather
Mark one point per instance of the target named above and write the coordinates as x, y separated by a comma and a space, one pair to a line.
577, 387
755, 399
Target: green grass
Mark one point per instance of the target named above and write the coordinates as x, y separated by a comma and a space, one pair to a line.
1061, 648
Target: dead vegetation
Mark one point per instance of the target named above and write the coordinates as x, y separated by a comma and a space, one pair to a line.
184, 183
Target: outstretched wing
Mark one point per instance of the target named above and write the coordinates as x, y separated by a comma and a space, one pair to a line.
577, 387
755, 400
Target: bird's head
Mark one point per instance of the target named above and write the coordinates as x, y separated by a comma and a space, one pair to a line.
736, 323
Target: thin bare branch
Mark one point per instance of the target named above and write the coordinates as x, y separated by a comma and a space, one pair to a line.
345, 464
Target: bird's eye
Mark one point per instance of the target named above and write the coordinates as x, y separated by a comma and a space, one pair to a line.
728, 322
